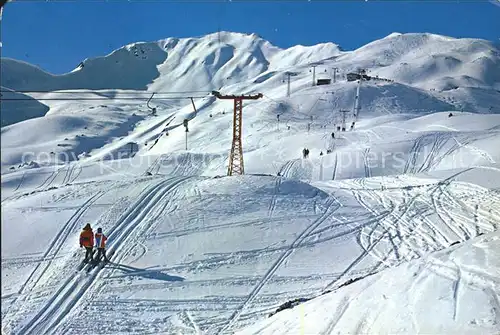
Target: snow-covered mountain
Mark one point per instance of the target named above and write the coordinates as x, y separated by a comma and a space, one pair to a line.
358, 237
216, 60
431, 61
172, 64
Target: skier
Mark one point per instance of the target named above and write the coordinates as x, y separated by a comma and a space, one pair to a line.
304, 152
87, 241
100, 242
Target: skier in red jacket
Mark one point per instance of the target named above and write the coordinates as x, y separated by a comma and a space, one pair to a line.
87, 241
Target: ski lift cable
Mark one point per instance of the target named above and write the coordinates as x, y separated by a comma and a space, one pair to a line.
90, 91
98, 99
314, 105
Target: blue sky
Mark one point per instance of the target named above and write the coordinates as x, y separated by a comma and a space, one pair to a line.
58, 36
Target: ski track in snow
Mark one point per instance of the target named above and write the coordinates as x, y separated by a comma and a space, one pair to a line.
51, 252
153, 215
368, 172
285, 169
341, 309
335, 166
72, 290
267, 276
75, 176
46, 183
410, 162
437, 143
68, 178
154, 168
371, 244
191, 319
150, 208
69, 169
443, 213
456, 292
456, 146
397, 224
71, 176
274, 197
21, 182
243, 223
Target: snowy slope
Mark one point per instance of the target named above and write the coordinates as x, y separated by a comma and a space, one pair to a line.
199, 252
13, 111
64, 137
220, 254
465, 277
429, 60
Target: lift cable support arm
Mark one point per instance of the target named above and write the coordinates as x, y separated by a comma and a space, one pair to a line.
152, 108
236, 156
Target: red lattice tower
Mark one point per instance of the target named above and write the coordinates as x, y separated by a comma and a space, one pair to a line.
236, 164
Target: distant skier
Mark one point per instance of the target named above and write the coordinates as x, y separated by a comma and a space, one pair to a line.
87, 241
100, 242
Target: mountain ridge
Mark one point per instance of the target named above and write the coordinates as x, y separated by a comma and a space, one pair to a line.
239, 57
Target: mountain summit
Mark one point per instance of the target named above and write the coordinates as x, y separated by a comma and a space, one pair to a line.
220, 59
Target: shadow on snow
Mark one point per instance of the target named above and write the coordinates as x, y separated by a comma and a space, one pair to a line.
144, 273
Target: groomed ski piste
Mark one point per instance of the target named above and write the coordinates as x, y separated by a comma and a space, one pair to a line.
394, 229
